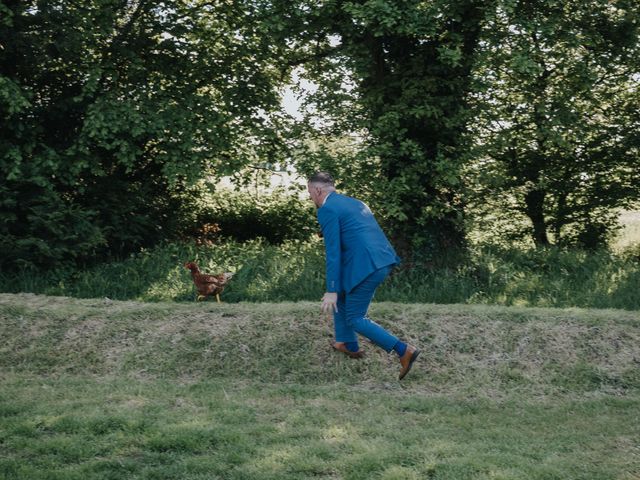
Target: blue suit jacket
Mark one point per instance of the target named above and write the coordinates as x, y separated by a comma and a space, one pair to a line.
354, 243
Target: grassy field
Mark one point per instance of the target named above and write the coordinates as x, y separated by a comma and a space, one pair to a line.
629, 235
103, 389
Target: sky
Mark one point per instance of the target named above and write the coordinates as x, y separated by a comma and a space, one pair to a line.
290, 102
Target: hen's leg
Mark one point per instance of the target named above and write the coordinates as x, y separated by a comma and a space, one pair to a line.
218, 297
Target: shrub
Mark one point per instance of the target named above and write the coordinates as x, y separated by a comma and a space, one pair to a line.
275, 217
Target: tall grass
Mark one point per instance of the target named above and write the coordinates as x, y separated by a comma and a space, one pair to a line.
295, 271
545, 277
263, 272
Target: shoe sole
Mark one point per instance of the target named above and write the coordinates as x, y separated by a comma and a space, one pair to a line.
413, 359
356, 355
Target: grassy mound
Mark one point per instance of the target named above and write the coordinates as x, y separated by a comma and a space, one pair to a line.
472, 349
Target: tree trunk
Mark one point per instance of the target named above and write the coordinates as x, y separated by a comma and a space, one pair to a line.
534, 201
443, 88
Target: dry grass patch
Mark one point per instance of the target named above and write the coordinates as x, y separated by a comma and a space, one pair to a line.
471, 349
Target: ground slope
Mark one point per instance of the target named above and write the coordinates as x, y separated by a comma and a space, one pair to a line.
481, 349
97, 389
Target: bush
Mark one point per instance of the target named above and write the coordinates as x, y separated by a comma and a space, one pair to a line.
40, 228
275, 217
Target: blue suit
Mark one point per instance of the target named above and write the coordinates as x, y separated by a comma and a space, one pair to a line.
358, 259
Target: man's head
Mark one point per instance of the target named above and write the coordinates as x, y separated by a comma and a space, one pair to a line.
319, 185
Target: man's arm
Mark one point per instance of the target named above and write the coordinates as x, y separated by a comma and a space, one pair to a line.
330, 224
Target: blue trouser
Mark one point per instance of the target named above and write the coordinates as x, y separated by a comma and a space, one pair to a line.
351, 317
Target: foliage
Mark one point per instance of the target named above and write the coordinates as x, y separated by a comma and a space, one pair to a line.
38, 226
549, 90
118, 106
274, 217
396, 74
557, 133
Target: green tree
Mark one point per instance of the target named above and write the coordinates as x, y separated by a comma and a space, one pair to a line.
394, 75
558, 124
111, 108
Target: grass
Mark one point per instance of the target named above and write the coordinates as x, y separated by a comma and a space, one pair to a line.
295, 271
78, 428
263, 272
102, 389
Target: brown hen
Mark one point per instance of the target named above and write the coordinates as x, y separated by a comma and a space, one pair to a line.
207, 285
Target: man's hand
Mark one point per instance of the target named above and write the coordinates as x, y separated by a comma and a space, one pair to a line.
330, 302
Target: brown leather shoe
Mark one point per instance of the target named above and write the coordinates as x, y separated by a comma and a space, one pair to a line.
407, 360
341, 347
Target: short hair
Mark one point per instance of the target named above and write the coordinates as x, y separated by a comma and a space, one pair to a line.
323, 178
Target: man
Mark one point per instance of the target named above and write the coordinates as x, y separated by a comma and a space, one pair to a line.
358, 258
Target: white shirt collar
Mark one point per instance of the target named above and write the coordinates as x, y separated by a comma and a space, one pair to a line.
325, 199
